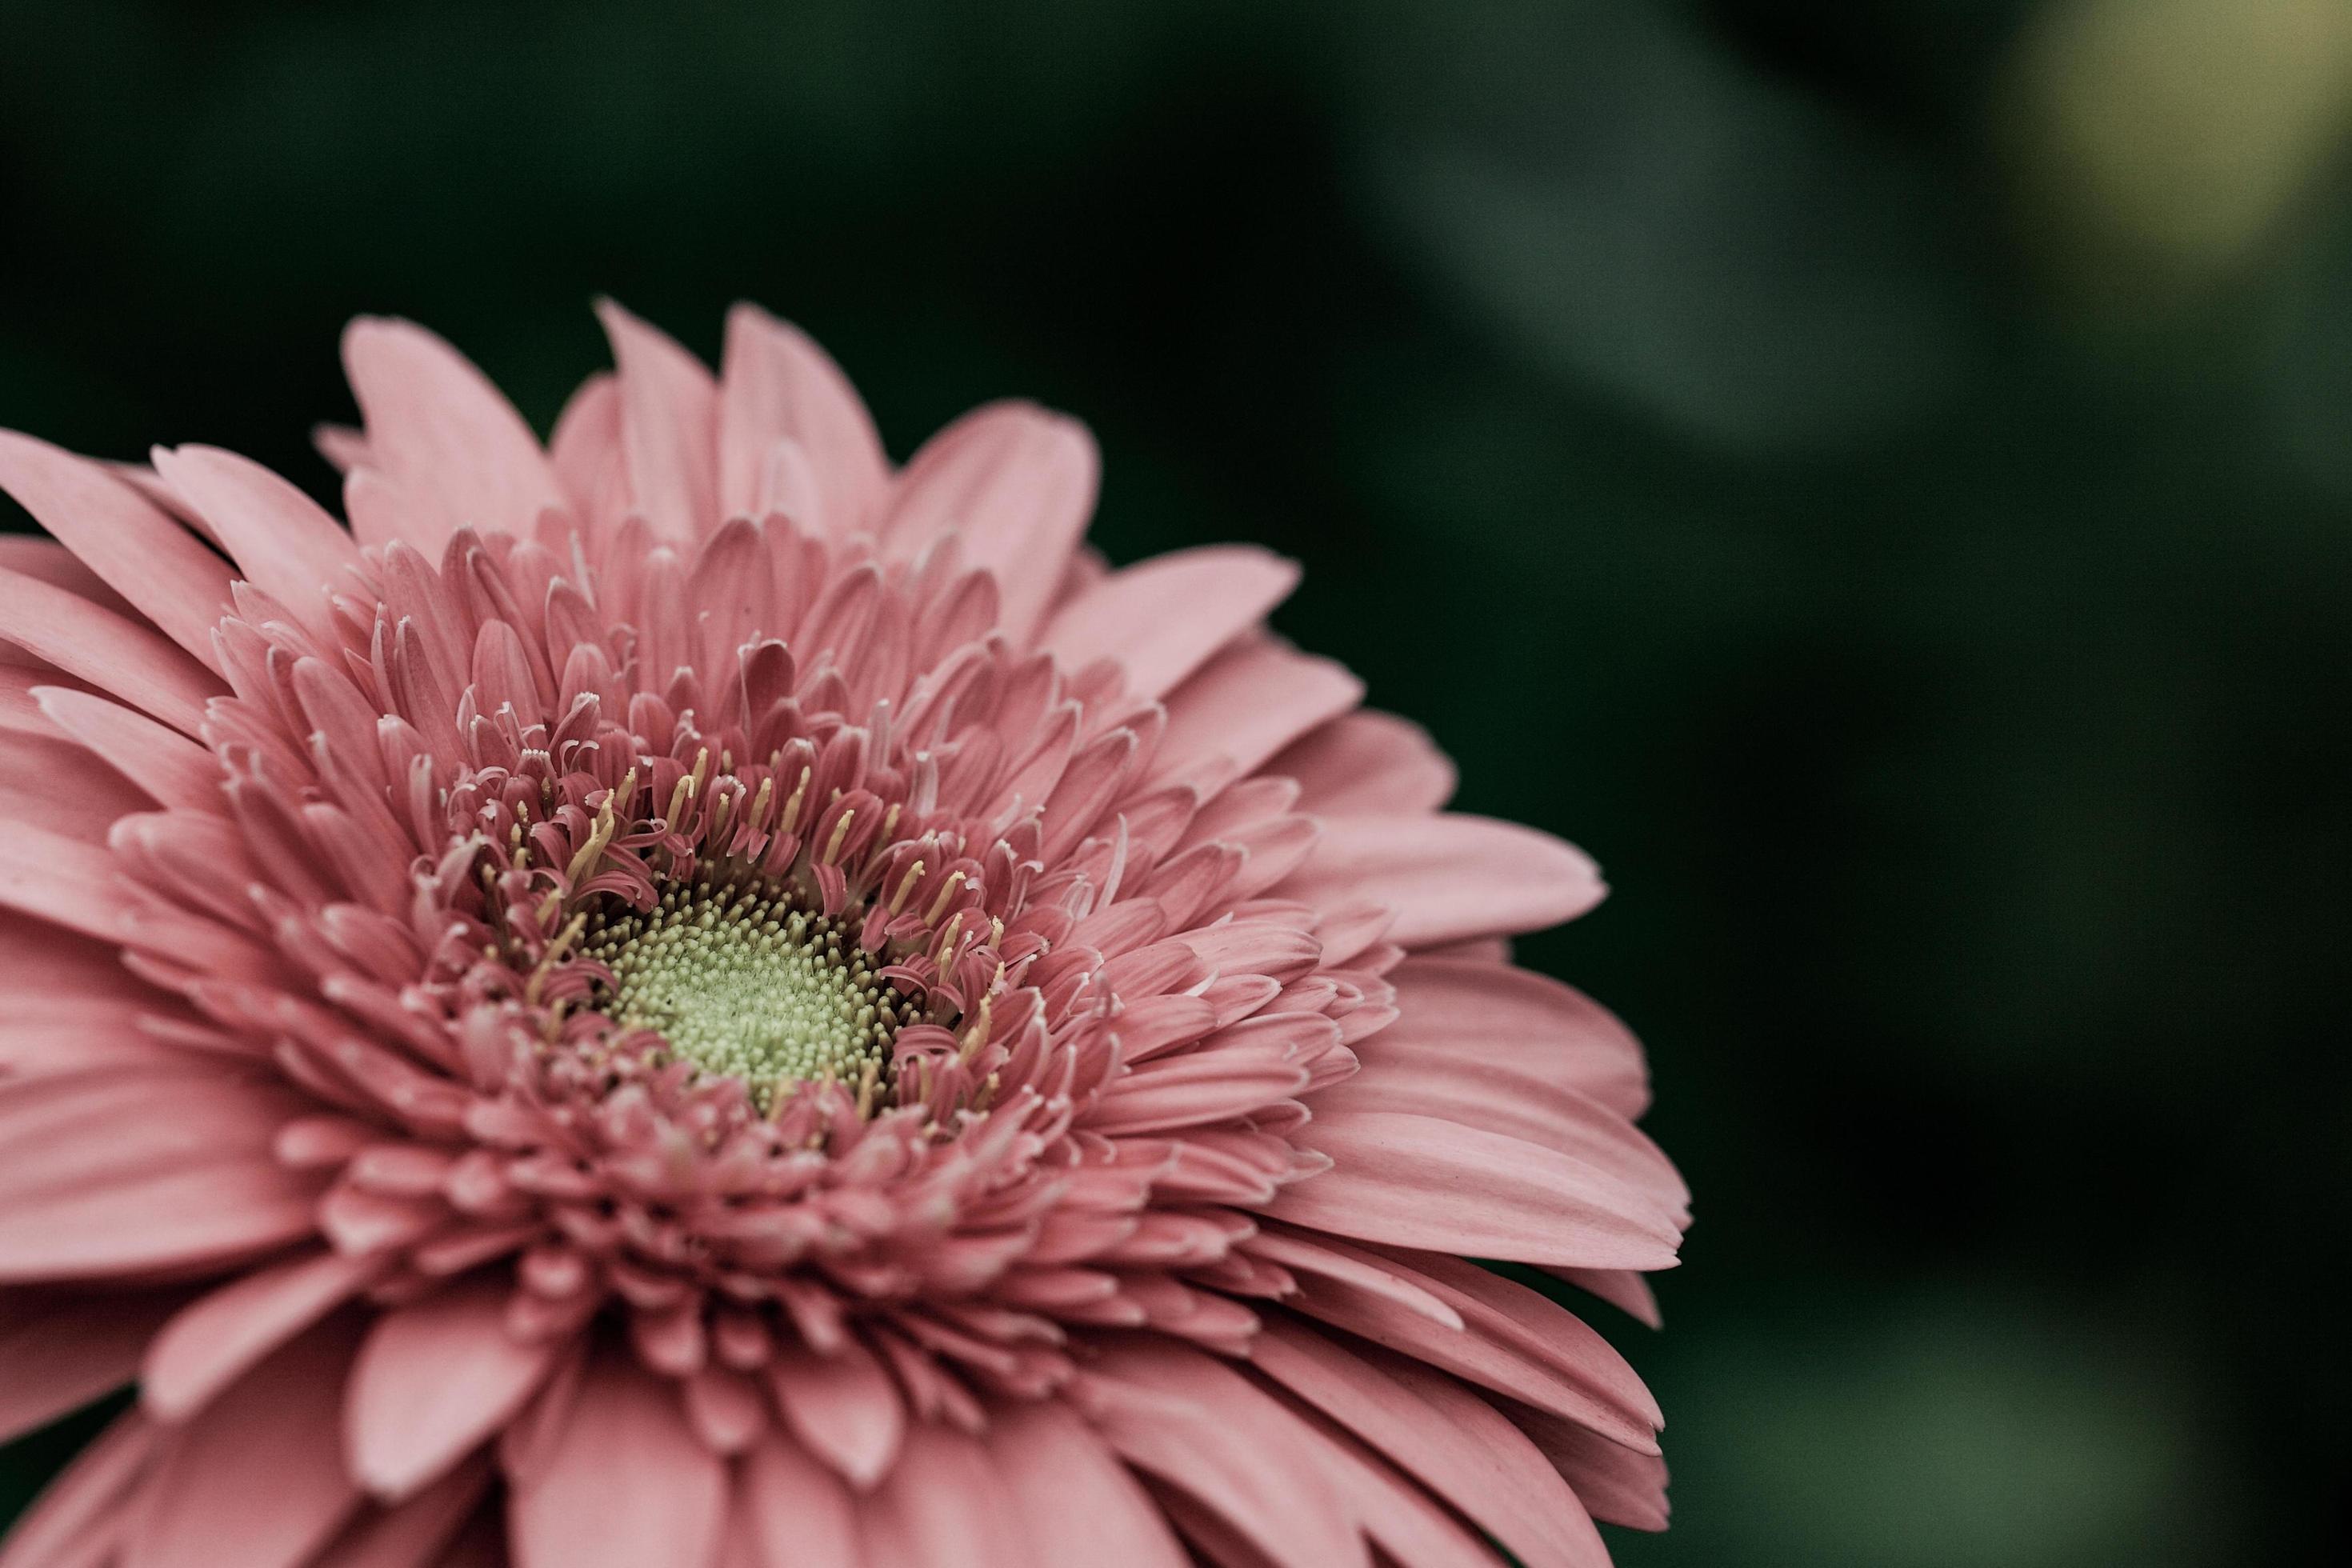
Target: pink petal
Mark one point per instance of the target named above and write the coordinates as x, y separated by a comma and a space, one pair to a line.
586, 441
844, 1407
114, 1174
1405, 1520
142, 553
172, 769
1616, 1483
1448, 878
435, 1380
801, 1515
776, 384
211, 1343
66, 880
669, 427
257, 1478
1187, 1418
1622, 1289
1512, 1341
1191, 1091
62, 976
47, 560
1304, 1254
625, 1484
279, 537
414, 1534
1418, 1180
1084, 1508
1018, 484
941, 1504
727, 1409
1163, 619
1247, 703
80, 1516
59, 1351
1455, 1443
1367, 762
442, 435
106, 651
20, 714
1496, 1094
48, 783
1486, 1010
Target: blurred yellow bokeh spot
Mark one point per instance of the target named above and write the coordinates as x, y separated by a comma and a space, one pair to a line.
2158, 143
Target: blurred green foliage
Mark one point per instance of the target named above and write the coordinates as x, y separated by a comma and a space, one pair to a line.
1876, 473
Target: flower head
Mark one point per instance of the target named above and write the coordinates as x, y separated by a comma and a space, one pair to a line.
690, 997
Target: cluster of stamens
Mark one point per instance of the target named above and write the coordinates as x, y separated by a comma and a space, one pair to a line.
744, 984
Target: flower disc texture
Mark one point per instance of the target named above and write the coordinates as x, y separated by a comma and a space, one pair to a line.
688, 997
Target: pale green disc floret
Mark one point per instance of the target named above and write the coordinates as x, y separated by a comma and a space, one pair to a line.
745, 984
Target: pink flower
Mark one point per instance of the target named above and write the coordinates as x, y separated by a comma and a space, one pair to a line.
691, 998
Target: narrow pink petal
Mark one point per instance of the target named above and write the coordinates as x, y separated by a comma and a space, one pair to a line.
414, 1534
729, 1410
57, 969
1448, 878
1018, 484
801, 1514
626, 1483
1509, 1312
435, 1380
844, 1407
1367, 762
941, 1504
1534, 1351
1622, 1289
211, 1343
1163, 619
1485, 1009
49, 562
142, 553
1304, 1254
1184, 1417
49, 783
81, 1035
383, 513
1619, 1485
1417, 1180
60, 1350
82, 1515
1430, 1425
1195, 1089
282, 542
587, 440
1497, 1095
172, 770
110, 1174
20, 712
443, 435
1248, 703
669, 427
1395, 1513
257, 1478
110, 653
343, 448
1084, 1509
776, 384
63, 880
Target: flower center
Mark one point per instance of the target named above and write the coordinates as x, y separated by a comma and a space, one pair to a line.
745, 984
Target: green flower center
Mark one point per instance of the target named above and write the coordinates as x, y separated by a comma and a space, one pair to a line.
745, 984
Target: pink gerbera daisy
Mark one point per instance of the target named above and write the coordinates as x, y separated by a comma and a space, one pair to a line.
688, 997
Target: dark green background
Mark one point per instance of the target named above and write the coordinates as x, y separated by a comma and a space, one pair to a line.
1930, 601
